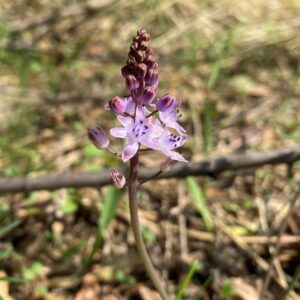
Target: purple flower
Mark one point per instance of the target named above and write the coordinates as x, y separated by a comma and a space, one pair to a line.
139, 131
137, 113
98, 137
121, 105
169, 141
167, 103
169, 113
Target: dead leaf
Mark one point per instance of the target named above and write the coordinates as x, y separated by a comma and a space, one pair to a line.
244, 289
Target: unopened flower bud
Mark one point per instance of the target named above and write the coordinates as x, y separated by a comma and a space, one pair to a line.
167, 103
144, 45
117, 105
134, 46
143, 35
131, 62
150, 60
150, 51
98, 137
140, 55
148, 95
151, 77
141, 70
125, 72
132, 83
118, 179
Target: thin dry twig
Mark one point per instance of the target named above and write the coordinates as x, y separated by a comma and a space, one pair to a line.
209, 167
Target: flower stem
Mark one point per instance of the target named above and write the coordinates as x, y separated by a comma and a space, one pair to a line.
132, 186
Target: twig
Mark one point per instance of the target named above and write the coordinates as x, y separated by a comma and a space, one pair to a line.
210, 167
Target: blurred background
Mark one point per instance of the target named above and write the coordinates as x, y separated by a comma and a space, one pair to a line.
234, 66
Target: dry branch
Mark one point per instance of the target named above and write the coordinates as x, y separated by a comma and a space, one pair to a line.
209, 167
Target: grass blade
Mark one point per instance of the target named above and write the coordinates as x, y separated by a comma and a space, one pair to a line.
13, 279
200, 201
195, 267
9, 227
109, 207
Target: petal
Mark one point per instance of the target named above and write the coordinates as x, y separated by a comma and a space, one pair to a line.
118, 132
156, 131
129, 151
139, 115
175, 156
169, 141
177, 127
181, 140
125, 121
130, 105
150, 143
170, 120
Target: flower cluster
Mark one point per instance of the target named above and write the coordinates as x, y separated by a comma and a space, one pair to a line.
144, 121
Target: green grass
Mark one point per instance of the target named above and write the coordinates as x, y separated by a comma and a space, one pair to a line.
199, 199
194, 267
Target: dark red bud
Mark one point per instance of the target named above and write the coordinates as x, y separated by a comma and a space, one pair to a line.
148, 95
141, 71
125, 72
131, 62
132, 83
144, 45
143, 35
151, 77
150, 61
140, 55
134, 46
155, 66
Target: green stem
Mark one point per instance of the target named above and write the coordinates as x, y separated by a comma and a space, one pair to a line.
132, 186
194, 268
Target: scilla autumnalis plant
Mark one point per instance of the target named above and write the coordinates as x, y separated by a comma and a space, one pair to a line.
146, 124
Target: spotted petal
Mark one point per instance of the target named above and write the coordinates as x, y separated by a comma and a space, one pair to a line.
170, 120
